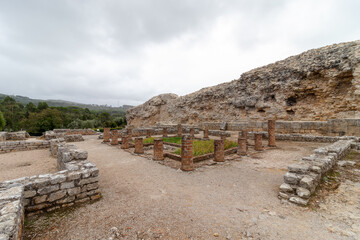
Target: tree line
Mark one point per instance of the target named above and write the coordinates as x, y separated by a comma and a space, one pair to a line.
36, 119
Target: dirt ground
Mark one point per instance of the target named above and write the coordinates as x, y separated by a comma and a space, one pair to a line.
27, 163
233, 200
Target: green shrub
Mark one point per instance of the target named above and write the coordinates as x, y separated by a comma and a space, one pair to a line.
2, 121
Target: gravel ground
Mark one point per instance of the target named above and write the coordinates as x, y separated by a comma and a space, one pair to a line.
26, 163
146, 200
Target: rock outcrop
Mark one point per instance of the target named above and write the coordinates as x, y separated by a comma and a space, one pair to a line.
319, 84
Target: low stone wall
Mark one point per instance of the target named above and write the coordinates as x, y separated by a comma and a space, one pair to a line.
76, 131
14, 136
76, 182
332, 127
11, 212
302, 179
13, 146
305, 137
74, 138
2, 136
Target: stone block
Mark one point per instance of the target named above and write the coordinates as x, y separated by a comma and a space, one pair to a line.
286, 188
48, 189
291, 178
56, 195
299, 201
303, 192
67, 185
73, 191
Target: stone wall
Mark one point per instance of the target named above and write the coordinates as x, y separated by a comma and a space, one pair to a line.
11, 212
302, 179
21, 135
76, 131
76, 182
13, 146
333, 127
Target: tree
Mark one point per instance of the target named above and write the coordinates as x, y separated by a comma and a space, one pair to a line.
47, 119
2, 121
42, 106
13, 113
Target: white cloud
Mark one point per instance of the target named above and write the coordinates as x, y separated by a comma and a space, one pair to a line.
128, 51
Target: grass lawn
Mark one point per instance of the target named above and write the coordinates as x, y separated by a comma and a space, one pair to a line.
204, 147
176, 140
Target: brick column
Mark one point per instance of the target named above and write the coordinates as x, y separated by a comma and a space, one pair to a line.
219, 151
258, 141
106, 135
139, 146
165, 134
148, 133
206, 133
223, 137
242, 146
187, 155
114, 137
244, 133
192, 132
271, 133
125, 142
129, 132
158, 150
179, 130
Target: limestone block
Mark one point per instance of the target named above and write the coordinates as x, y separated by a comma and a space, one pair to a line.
303, 192
56, 195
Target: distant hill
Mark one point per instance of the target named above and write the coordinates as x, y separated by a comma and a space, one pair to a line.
62, 103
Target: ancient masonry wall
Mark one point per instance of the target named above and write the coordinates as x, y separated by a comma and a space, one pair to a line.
76, 182
333, 127
302, 179
75, 131
21, 135
12, 146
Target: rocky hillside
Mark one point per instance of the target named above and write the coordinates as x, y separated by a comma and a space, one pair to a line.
318, 84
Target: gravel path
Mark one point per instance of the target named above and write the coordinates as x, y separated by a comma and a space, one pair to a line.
147, 200
26, 163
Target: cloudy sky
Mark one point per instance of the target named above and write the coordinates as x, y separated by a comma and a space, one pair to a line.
124, 52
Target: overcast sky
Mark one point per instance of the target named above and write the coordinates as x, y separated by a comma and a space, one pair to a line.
124, 52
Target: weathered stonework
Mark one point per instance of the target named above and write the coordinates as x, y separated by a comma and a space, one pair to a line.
302, 179
319, 84
76, 182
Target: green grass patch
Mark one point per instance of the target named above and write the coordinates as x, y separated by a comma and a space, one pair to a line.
148, 140
205, 147
176, 140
